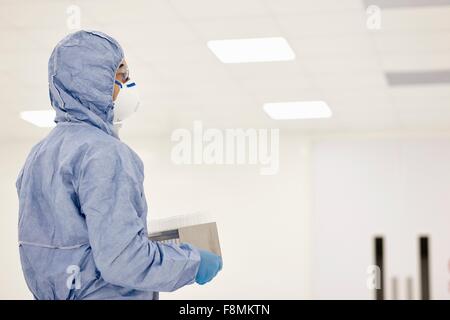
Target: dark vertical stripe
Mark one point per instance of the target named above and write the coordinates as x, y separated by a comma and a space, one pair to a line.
424, 254
379, 261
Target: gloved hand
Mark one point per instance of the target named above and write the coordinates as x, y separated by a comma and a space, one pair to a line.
210, 265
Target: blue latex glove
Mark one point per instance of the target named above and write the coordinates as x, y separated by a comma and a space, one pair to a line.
210, 265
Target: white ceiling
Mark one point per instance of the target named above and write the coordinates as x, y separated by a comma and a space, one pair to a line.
338, 60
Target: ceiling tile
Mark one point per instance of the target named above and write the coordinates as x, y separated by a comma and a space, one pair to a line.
416, 19
347, 80
435, 115
345, 44
426, 42
341, 63
324, 24
236, 28
406, 3
415, 61
210, 9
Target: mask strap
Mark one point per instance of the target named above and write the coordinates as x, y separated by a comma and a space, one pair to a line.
118, 83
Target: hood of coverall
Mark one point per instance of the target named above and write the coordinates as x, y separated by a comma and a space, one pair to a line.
81, 72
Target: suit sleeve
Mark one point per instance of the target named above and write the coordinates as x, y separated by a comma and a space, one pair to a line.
110, 195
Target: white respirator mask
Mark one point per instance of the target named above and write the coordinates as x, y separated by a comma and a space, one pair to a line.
127, 101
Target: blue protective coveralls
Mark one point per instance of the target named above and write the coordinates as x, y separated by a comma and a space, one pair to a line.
82, 209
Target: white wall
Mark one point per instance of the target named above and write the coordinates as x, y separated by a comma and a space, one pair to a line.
398, 187
263, 220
